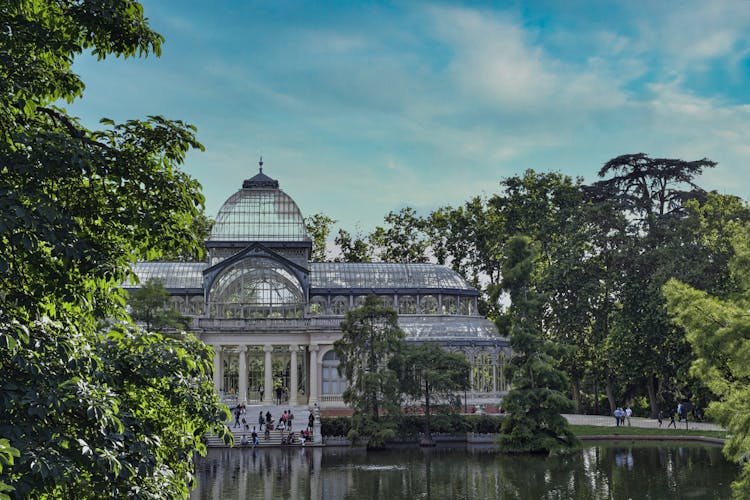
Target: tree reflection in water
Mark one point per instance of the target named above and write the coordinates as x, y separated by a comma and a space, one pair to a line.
614, 471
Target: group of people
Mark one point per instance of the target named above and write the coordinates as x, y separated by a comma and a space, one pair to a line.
621, 416
282, 394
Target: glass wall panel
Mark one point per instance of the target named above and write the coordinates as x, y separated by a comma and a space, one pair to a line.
482, 372
333, 383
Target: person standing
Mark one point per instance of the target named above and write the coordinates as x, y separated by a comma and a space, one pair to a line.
279, 390
289, 418
261, 391
628, 414
261, 421
310, 421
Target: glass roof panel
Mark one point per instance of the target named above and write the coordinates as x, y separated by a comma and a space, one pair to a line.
444, 328
385, 275
172, 274
253, 214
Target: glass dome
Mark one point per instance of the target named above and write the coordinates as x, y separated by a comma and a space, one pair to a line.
260, 211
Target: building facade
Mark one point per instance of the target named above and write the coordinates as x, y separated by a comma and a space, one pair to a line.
272, 315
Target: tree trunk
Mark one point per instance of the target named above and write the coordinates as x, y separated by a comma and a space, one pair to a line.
611, 396
651, 387
427, 438
576, 387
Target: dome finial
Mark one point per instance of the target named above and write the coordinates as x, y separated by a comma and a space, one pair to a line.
261, 164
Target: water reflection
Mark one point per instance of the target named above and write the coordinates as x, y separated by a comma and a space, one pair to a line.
477, 473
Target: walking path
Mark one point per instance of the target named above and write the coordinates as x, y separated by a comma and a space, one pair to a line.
604, 421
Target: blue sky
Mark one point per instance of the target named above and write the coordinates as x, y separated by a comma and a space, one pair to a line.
360, 108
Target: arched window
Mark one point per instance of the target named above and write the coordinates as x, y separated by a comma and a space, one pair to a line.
482, 373
256, 288
359, 300
177, 304
333, 383
339, 305
428, 304
467, 306
196, 306
449, 305
317, 305
407, 304
387, 300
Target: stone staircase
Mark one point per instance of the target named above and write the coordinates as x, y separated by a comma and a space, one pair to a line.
301, 416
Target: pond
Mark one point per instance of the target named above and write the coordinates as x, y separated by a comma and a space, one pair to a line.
617, 470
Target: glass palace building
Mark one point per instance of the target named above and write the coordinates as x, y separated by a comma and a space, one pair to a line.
272, 315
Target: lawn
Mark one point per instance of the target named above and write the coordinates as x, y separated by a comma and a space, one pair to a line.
594, 430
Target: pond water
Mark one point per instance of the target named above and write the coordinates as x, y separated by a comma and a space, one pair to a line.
626, 470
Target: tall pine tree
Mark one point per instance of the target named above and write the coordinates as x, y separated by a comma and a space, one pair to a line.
537, 396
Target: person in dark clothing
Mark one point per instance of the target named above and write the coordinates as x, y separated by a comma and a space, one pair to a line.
268, 418
310, 421
279, 390
261, 421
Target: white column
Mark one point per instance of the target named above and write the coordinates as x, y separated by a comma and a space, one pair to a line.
217, 367
314, 348
293, 382
268, 393
242, 382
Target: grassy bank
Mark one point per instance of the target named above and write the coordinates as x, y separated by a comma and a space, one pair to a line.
595, 430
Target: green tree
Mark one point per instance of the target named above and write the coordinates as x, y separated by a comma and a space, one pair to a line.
354, 248
201, 229
428, 372
403, 239
718, 330
319, 227
643, 347
149, 305
371, 337
537, 396
77, 208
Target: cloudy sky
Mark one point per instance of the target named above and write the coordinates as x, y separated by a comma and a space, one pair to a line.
363, 108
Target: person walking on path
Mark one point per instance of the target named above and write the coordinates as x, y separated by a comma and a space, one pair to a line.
628, 414
237, 416
618, 415
671, 421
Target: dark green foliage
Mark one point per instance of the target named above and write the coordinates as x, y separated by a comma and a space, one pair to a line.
149, 305
537, 396
403, 239
353, 248
428, 373
96, 408
335, 426
371, 336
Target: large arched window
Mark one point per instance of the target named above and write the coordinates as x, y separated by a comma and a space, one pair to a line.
256, 288
333, 383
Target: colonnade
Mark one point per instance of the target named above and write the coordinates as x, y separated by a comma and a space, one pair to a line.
313, 386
